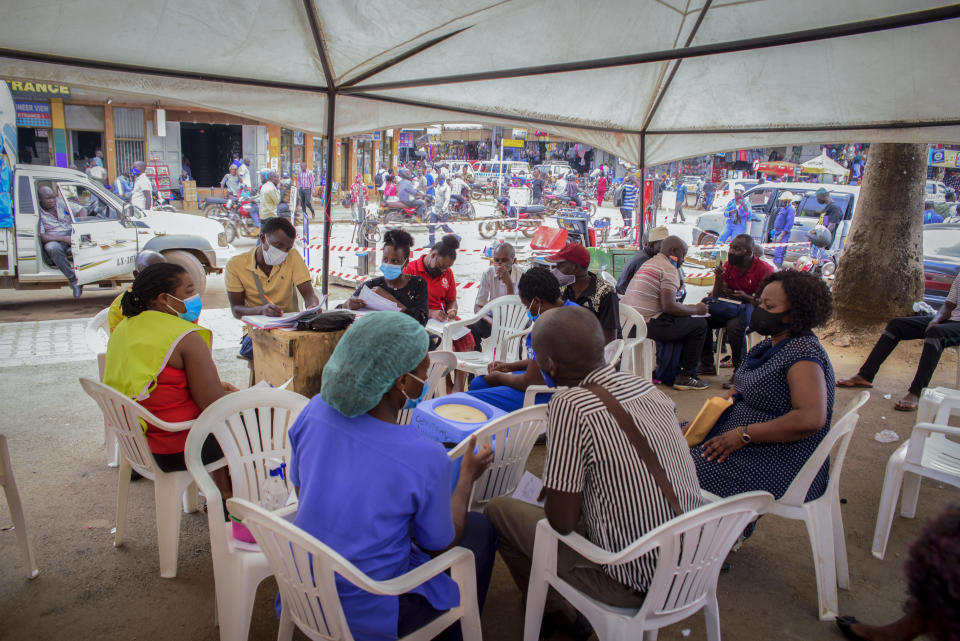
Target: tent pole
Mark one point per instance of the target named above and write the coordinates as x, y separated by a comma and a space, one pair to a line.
642, 212
327, 192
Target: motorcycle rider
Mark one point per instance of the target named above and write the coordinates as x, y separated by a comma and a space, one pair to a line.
572, 190
459, 190
440, 213
269, 199
231, 181
408, 194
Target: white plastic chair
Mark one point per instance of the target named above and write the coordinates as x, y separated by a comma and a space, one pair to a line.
511, 438
639, 353
752, 340
97, 335
441, 364
608, 277
692, 548
124, 415
822, 515
306, 569
10, 490
927, 453
251, 427
613, 351
509, 317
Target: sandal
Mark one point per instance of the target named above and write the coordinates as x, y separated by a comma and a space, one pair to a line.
847, 385
844, 624
905, 406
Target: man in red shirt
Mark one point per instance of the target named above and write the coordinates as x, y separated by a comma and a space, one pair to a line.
737, 283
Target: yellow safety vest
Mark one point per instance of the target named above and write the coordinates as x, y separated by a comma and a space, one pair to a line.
139, 349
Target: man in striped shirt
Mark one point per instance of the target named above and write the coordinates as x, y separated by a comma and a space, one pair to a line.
630, 192
593, 474
653, 293
306, 185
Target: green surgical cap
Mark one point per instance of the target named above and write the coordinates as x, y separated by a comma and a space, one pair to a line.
373, 353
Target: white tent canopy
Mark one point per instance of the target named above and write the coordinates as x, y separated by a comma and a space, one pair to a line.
823, 164
648, 80
874, 81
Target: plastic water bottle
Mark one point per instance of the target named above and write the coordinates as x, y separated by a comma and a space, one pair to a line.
274, 494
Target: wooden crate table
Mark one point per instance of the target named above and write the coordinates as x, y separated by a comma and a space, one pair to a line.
279, 355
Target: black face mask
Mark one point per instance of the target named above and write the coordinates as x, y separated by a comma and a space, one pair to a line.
739, 260
767, 323
433, 270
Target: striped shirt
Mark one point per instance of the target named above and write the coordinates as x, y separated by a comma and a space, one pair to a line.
306, 180
654, 276
630, 192
589, 454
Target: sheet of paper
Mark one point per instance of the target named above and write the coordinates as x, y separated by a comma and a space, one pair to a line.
437, 327
375, 302
528, 489
288, 320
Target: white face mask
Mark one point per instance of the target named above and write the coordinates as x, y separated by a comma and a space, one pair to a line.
273, 256
564, 279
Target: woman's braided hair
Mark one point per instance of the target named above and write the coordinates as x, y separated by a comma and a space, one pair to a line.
153, 280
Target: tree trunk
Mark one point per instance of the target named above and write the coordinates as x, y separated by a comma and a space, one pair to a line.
880, 274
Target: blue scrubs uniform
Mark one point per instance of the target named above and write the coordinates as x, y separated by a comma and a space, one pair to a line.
783, 223
734, 228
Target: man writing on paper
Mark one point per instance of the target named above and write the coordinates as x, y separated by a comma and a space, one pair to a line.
595, 481
499, 280
261, 281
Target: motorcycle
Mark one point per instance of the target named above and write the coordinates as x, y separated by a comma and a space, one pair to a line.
479, 192
461, 211
234, 214
554, 203
528, 220
366, 230
396, 212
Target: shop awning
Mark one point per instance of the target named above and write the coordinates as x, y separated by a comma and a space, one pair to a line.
669, 78
823, 164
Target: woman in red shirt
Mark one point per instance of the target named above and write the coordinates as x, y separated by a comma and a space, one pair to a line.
436, 269
601, 188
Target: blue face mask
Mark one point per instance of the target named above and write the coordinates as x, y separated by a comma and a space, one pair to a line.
533, 319
673, 262
193, 306
391, 272
547, 379
413, 402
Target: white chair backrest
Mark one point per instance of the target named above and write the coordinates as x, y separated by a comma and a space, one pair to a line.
608, 277
630, 319
124, 416
509, 317
441, 364
613, 351
305, 571
97, 332
511, 438
834, 445
692, 549
855, 403
251, 427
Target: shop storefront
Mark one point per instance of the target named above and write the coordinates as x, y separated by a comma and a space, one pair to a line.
41, 135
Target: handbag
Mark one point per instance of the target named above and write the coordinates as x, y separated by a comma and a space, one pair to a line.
325, 321
639, 441
713, 408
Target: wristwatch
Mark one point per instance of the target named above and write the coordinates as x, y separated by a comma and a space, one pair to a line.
742, 431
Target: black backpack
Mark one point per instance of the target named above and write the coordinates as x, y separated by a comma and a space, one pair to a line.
618, 197
378, 179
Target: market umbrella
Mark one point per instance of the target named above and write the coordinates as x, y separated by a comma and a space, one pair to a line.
823, 164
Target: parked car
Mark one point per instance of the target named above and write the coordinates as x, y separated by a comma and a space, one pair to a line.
107, 234
763, 205
941, 261
554, 168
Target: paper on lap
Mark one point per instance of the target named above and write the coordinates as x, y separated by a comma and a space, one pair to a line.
287, 321
374, 302
528, 489
437, 327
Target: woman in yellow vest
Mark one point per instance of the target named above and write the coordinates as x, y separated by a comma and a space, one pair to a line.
161, 358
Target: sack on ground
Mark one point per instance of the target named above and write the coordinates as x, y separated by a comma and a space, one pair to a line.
707, 417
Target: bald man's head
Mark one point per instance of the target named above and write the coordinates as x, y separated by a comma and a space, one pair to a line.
147, 258
47, 198
556, 331
674, 247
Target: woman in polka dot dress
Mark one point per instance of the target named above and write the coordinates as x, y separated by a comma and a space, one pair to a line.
783, 396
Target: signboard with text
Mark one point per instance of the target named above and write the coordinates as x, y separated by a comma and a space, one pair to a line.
406, 140
33, 114
31, 89
510, 142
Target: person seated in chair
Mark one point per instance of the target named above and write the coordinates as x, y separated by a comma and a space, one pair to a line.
595, 481
378, 493
500, 279
653, 293
56, 228
506, 383
938, 332
738, 279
